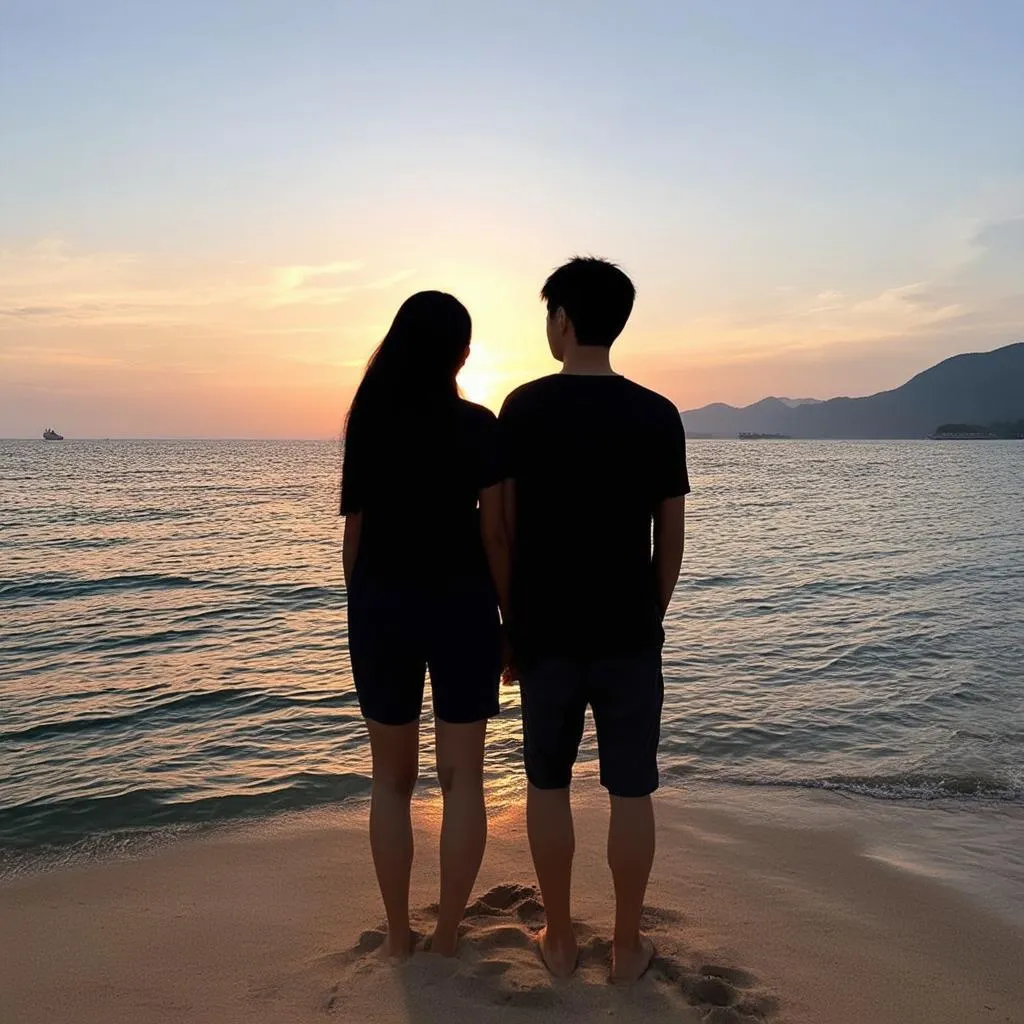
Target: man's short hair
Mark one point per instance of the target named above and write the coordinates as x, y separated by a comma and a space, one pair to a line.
597, 298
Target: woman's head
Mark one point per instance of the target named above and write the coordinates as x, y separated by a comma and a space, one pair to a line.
421, 354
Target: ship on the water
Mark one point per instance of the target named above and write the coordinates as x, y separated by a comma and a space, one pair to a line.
746, 435
49, 434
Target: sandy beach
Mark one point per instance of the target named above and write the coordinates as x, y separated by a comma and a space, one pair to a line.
807, 908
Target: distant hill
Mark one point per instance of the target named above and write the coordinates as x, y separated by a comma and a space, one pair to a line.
982, 387
794, 402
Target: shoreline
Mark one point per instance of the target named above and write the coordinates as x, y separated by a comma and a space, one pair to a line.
943, 842
503, 787
812, 907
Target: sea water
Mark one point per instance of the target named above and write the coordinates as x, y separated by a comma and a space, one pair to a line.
173, 632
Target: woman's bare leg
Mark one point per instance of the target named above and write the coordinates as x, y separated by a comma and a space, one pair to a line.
395, 751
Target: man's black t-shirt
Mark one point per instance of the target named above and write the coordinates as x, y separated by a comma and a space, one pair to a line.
591, 457
416, 477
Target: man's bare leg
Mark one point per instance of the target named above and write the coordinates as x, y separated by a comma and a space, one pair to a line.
630, 856
460, 769
553, 844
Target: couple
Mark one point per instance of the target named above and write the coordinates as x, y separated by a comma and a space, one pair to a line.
545, 513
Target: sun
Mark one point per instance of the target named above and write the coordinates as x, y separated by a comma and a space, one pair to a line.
479, 379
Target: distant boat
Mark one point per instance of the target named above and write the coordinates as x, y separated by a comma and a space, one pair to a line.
49, 434
747, 436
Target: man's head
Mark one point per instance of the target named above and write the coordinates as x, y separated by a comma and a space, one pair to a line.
589, 301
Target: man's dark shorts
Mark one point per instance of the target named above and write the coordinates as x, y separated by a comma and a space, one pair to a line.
625, 693
396, 631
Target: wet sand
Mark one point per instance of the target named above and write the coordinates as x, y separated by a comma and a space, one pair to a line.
765, 905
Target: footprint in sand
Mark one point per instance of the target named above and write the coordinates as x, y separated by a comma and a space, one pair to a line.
498, 965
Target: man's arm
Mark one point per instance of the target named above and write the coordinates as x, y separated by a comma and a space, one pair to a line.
496, 542
669, 541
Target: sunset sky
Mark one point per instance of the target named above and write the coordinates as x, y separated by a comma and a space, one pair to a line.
209, 211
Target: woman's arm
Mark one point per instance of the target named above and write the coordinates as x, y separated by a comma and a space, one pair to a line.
496, 543
350, 545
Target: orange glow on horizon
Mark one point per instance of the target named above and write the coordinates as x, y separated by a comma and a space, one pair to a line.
107, 344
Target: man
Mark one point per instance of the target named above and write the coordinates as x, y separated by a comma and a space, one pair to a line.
592, 461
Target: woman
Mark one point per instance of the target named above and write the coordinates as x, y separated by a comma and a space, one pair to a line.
426, 561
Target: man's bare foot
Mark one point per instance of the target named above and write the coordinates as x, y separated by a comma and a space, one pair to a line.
560, 957
630, 964
396, 949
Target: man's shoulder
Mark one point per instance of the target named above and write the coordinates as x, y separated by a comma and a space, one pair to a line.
653, 401
532, 391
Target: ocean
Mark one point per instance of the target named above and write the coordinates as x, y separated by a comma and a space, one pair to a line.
172, 632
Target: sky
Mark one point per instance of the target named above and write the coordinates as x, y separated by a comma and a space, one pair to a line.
210, 211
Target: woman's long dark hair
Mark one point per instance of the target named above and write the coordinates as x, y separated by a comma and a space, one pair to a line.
413, 370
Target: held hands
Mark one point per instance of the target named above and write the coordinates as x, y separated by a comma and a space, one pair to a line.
509, 672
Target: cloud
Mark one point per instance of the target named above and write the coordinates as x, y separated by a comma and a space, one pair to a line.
1005, 236
977, 302
907, 307
51, 284
28, 312
327, 285
55, 356
289, 278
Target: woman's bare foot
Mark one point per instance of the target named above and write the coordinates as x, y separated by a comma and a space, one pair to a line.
559, 957
396, 949
630, 964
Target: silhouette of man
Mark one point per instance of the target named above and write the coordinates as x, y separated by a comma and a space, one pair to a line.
593, 460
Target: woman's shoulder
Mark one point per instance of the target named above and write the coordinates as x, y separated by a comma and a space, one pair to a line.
476, 415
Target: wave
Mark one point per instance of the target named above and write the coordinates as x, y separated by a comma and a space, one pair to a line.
299, 597
905, 787
55, 587
125, 644
205, 704
58, 823
108, 517
721, 580
78, 543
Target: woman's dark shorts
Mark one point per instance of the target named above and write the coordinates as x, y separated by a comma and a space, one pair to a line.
397, 631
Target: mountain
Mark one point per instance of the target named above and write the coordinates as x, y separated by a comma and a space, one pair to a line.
794, 402
980, 387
